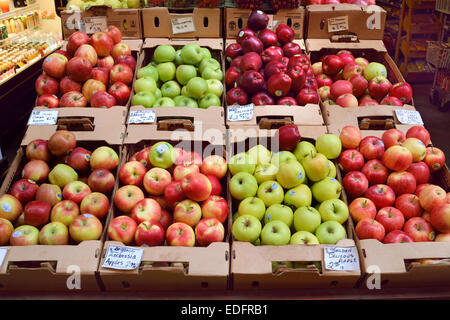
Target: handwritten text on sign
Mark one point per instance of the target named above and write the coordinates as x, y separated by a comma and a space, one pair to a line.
142, 116
340, 258
183, 25
3, 252
95, 24
43, 118
408, 116
122, 258
240, 113
338, 24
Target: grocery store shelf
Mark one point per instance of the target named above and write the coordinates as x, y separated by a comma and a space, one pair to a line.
17, 11
412, 52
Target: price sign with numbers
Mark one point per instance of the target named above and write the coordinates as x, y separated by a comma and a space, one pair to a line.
142, 116
183, 25
95, 24
122, 258
240, 113
43, 117
338, 24
341, 258
408, 116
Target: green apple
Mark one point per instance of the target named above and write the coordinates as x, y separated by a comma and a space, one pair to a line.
329, 145
374, 69
164, 102
306, 219
133, 4
164, 53
158, 94
209, 63
115, 4
304, 237
270, 192
279, 157
197, 88
145, 84
177, 100
279, 212
143, 98
265, 172
303, 149
290, 174
334, 210
235, 216
209, 100
243, 185
206, 54
330, 232
259, 154
191, 54
328, 188
215, 87
170, 89
332, 171
299, 196
246, 228
148, 71
184, 92
178, 60
62, 174
241, 163
252, 206
166, 71
316, 166
209, 73
162, 155
182, 101
275, 233
185, 72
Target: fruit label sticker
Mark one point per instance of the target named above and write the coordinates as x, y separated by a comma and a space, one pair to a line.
408, 117
183, 25
122, 258
338, 24
43, 118
95, 24
240, 113
162, 148
142, 116
341, 258
3, 252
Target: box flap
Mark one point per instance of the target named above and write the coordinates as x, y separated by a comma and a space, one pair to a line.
211, 115
213, 43
319, 44
134, 44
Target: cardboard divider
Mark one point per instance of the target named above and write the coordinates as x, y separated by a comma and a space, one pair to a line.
159, 22
236, 19
252, 266
128, 21
166, 267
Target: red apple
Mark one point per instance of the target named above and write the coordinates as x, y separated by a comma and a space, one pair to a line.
79, 69
392, 137
420, 133
350, 137
397, 158
114, 33
262, 99
359, 84
279, 84
96, 204
24, 190
73, 99
233, 50
346, 57
432, 196
370, 229
75, 40
306, 96
67, 84
100, 74
332, 64
284, 33
166, 219
341, 87
47, 101
391, 101
46, 85
6, 230
126, 197
87, 51
36, 170
355, 183
102, 43
397, 236
379, 87
287, 101
122, 229
54, 65
272, 53
132, 172
420, 171
434, 159
402, 182
196, 187
251, 81
119, 49
298, 77
375, 172
268, 38
244, 33
216, 187
92, 86
122, 73
174, 193
347, 100
79, 159
38, 150
301, 60
76, 191
150, 233
252, 44
288, 137
236, 96
102, 99
106, 62
156, 180
37, 213
419, 229
351, 160
402, 91
372, 148
361, 208
409, 205
180, 234
291, 48
231, 76
323, 80
391, 219
49, 193
381, 195
215, 207
440, 218
121, 92
236, 62
209, 230
351, 69
127, 59
146, 210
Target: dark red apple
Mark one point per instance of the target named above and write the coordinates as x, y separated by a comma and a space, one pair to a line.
268, 38
332, 64
232, 51
273, 67
244, 33
291, 48
375, 171
262, 99
355, 184
298, 77
272, 53
287, 101
279, 84
251, 81
289, 136
236, 96
257, 20
252, 44
251, 61
307, 95
284, 33
231, 76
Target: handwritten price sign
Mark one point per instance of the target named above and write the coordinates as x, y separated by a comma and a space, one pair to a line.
338, 24
43, 118
122, 258
183, 25
240, 113
95, 24
142, 116
341, 259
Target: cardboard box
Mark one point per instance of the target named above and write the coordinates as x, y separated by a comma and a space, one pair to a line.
236, 19
162, 22
60, 267
97, 18
175, 268
252, 266
406, 264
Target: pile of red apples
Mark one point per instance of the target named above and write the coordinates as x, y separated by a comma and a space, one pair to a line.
62, 196
342, 79
389, 184
170, 196
357, 2
266, 67
94, 71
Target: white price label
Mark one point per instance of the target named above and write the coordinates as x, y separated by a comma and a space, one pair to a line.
122, 258
341, 258
338, 24
183, 25
43, 117
240, 113
3, 252
95, 24
142, 116
408, 116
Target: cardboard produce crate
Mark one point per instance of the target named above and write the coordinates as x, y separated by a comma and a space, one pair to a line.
169, 267
60, 267
162, 22
356, 28
252, 266
215, 45
97, 18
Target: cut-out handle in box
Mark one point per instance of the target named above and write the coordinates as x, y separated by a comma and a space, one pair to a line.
175, 124
273, 123
75, 124
376, 123
344, 38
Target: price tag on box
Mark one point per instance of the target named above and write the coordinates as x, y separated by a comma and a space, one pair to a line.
241, 113
95, 24
142, 116
183, 25
408, 117
43, 118
341, 258
338, 24
3, 252
122, 258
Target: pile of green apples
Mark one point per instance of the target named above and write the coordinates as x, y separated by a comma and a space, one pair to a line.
187, 77
288, 197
